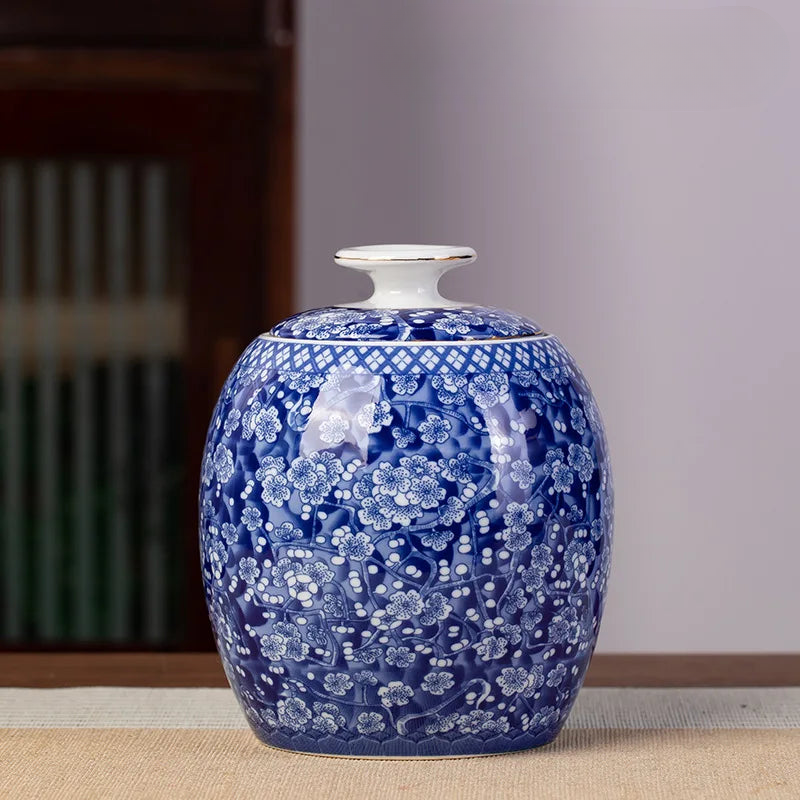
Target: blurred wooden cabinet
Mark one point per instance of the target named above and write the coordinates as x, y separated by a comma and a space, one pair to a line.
146, 160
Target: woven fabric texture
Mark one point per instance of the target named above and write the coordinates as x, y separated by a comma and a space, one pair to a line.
93, 743
207, 764
111, 707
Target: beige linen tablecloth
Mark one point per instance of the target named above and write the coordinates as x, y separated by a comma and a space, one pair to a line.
193, 743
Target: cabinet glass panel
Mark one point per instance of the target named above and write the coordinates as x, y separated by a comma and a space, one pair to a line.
92, 339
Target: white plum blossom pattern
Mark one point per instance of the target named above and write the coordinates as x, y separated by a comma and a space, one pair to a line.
477, 322
223, 463
580, 459
556, 675
338, 683
491, 648
437, 682
355, 546
374, 416
411, 561
274, 484
327, 718
293, 713
392, 495
284, 643
522, 473
450, 389
517, 519
401, 657
434, 429
437, 539
577, 420
452, 511
404, 437
513, 680
301, 382
478, 721
286, 532
249, 570
488, 390
251, 518
404, 605
369, 722
263, 423
315, 475
230, 533
395, 693
232, 421
558, 470
405, 384
580, 557
334, 430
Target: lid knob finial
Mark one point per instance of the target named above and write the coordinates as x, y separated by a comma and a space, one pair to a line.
405, 275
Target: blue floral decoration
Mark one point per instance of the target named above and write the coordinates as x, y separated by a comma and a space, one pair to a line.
410, 324
405, 548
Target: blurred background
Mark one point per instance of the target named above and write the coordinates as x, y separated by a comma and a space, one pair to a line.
146, 236
175, 177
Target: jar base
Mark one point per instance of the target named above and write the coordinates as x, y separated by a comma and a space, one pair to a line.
490, 748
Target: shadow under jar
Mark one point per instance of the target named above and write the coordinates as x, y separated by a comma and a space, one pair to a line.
406, 514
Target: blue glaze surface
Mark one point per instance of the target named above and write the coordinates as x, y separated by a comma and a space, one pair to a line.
406, 547
408, 324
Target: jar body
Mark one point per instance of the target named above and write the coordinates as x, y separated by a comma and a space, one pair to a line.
405, 547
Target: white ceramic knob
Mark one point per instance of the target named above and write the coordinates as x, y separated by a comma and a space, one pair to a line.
405, 275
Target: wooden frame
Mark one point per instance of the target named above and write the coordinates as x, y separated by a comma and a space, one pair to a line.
204, 669
220, 23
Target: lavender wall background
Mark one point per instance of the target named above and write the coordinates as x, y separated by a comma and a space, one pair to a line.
630, 178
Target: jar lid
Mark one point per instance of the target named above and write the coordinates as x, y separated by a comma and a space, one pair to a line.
405, 304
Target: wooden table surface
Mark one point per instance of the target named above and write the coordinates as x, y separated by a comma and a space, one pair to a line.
51, 669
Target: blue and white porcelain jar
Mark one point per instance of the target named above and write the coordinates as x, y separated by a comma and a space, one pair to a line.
406, 521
